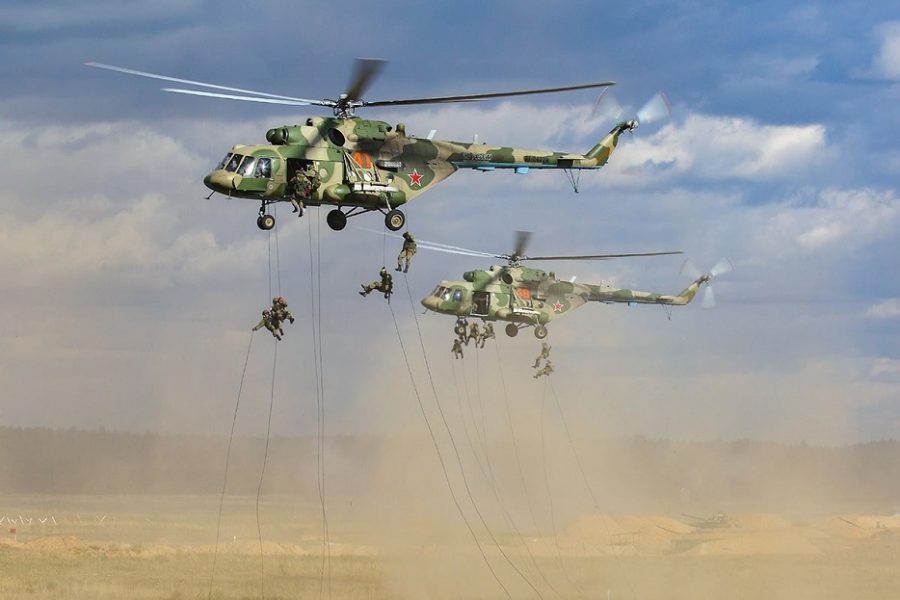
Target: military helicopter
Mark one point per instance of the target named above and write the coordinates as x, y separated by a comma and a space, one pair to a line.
366, 165
528, 297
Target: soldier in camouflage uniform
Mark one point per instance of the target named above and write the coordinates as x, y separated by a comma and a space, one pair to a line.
407, 252
271, 323
544, 355
548, 368
488, 333
385, 285
279, 309
456, 349
303, 185
272, 318
474, 333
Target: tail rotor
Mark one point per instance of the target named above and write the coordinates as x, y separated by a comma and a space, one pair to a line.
722, 267
608, 108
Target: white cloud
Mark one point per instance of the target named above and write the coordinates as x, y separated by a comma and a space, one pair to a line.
885, 368
886, 62
889, 309
721, 148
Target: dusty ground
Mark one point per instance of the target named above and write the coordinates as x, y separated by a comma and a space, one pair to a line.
163, 547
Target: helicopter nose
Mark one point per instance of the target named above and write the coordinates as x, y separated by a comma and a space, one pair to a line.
220, 181
429, 302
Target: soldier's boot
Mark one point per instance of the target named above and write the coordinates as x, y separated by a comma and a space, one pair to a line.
399, 268
406, 268
537, 361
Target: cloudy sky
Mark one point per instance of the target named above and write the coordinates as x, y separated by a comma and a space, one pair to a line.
128, 297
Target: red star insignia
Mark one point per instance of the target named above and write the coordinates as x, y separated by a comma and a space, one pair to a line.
415, 178
557, 307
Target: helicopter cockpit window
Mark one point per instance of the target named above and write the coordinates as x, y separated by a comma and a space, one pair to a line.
246, 168
444, 294
224, 161
234, 162
457, 295
263, 168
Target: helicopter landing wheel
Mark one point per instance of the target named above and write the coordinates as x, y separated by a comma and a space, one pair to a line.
460, 328
336, 219
394, 220
265, 222
512, 330
540, 332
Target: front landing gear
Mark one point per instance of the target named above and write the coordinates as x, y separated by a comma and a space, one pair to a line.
336, 219
512, 330
540, 332
394, 220
264, 221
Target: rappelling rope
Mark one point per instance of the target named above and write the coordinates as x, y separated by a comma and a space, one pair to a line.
454, 445
520, 470
562, 563
491, 479
262, 474
315, 290
437, 450
587, 485
237, 405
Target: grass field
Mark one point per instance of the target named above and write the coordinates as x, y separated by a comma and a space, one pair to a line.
104, 547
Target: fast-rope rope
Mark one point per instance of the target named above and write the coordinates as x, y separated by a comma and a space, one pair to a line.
488, 475
587, 485
453, 444
262, 474
315, 290
559, 557
237, 404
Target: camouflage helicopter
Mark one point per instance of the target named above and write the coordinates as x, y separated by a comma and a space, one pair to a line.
528, 297
367, 165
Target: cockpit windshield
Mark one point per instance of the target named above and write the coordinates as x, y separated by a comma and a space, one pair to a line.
246, 168
234, 162
224, 161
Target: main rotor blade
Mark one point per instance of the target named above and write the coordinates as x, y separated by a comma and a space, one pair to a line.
246, 98
197, 83
601, 256
471, 97
435, 246
366, 70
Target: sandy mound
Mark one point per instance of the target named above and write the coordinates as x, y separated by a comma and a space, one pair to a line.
760, 521
862, 526
756, 544
605, 527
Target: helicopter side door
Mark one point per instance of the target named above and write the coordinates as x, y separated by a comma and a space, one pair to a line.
481, 304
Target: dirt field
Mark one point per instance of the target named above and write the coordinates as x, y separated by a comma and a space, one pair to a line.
102, 547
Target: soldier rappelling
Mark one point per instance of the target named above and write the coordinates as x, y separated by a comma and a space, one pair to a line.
385, 285
273, 317
404, 259
544, 355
